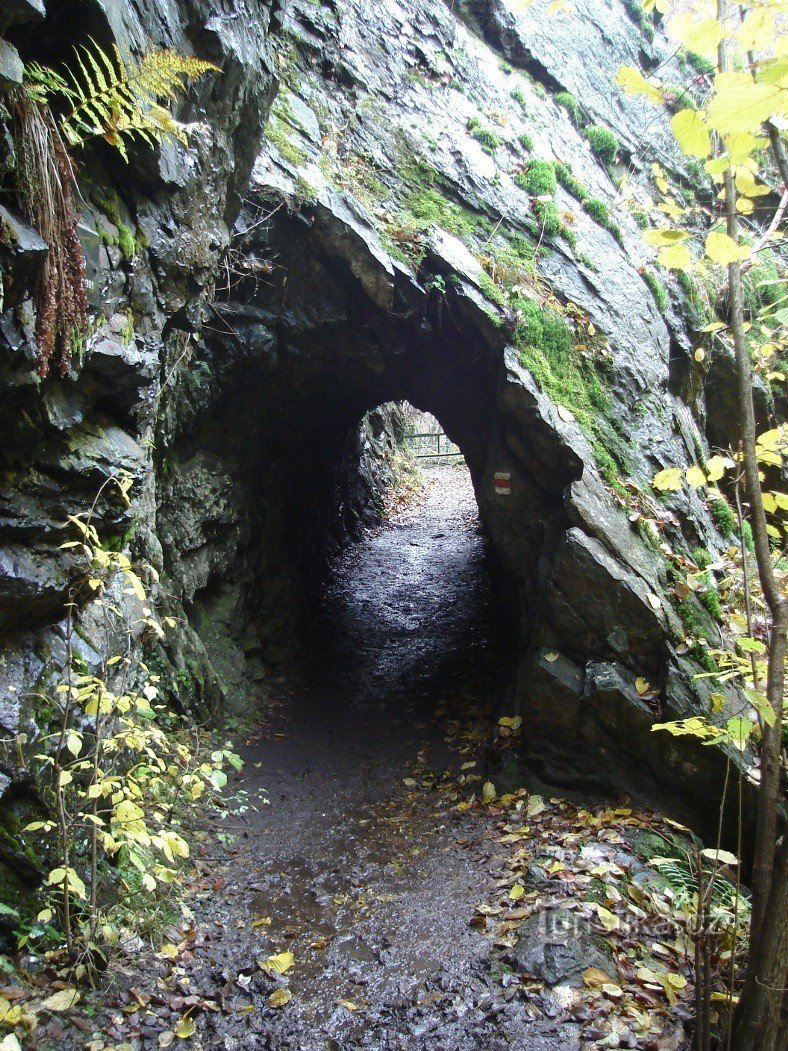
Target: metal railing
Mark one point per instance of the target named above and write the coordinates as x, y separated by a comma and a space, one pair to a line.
431, 446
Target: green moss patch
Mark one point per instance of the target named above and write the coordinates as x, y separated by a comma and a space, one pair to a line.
484, 135
538, 179
603, 142
567, 101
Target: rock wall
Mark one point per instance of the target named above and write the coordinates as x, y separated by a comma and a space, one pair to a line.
155, 231
244, 326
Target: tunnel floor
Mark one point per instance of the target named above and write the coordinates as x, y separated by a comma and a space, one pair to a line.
367, 877
358, 865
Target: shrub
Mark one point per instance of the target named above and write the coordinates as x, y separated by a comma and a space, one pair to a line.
568, 101
526, 141
488, 139
603, 142
538, 179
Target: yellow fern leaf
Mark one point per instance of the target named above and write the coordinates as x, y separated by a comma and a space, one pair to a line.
117, 95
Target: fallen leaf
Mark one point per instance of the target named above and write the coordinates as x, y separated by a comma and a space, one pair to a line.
535, 806
185, 1028
279, 964
280, 997
488, 792
517, 892
722, 857
63, 1000
594, 978
351, 1005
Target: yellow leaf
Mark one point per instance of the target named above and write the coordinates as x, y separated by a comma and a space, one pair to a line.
774, 439
717, 702
280, 964
668, 480
695, 477
136, 587
280, 997
691, 133
185, 1028
701, 35
608, 919
642, 686
517, 892
594, 978
63, 1000
665, 235
700, 354
721, 857
716, 467
723, 250
740, 103
535, 806
676, 257
632, 82
757, 27
512, 722
351, 1005
128, 813
488, 792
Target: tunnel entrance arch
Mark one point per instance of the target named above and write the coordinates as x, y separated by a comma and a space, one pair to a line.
293, 363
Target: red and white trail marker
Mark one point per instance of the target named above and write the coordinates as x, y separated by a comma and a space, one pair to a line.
502, 481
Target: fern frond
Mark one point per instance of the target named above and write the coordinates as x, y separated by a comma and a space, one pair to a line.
116, 95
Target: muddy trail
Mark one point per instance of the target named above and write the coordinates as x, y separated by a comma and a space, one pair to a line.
361, 890
339, 848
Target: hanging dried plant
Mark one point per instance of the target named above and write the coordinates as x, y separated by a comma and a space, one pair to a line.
47, 187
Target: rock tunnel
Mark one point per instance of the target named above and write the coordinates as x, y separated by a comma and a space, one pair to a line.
262, 480
231, 364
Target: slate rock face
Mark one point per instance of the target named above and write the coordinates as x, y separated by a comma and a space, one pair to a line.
260, 291
65, 438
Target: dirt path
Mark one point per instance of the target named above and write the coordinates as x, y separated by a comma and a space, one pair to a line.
359, 866
357, 850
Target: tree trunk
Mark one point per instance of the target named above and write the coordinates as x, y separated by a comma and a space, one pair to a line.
757, 1024
758, 1016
